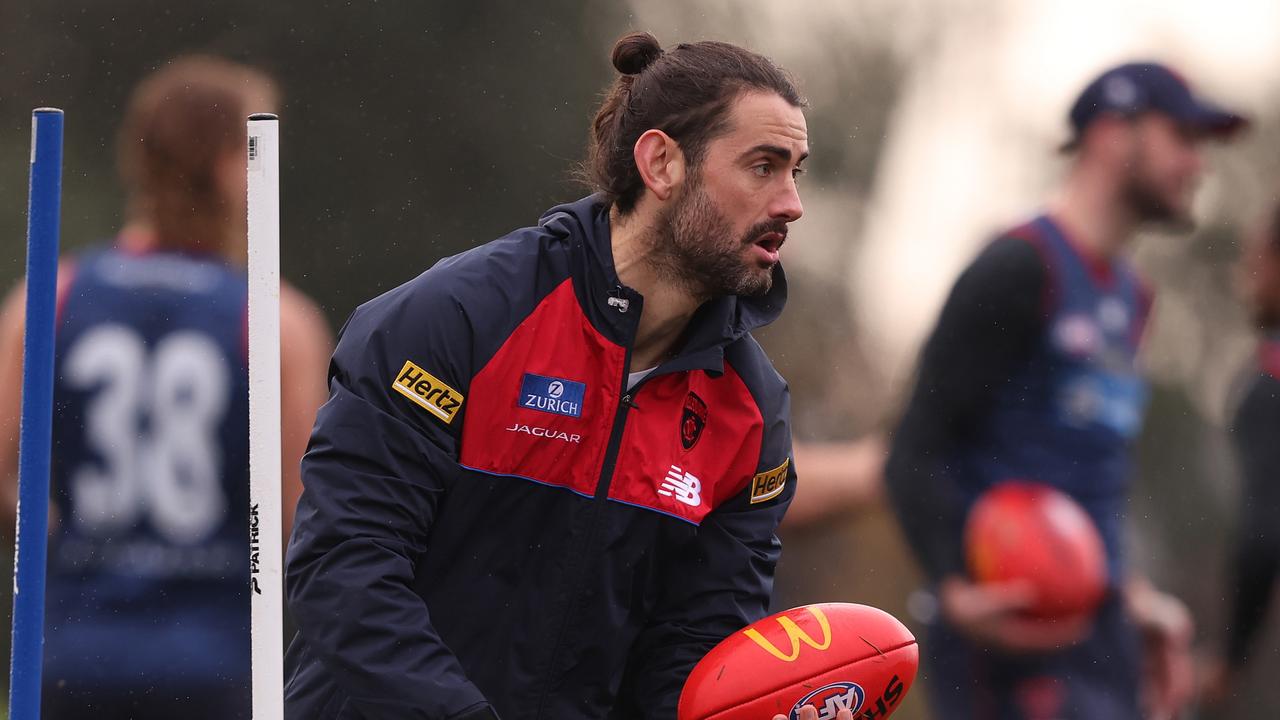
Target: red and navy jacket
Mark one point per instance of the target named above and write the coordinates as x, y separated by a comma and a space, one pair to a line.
494, 524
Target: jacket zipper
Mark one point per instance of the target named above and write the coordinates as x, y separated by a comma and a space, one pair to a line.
598, 502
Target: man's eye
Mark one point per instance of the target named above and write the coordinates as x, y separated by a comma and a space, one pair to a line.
762, 170
797, 172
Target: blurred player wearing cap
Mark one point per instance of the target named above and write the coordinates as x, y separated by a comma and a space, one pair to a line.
1255, 428
1030, 374
147, 613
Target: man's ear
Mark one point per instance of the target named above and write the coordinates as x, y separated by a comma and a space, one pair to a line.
1112, 137
661, 163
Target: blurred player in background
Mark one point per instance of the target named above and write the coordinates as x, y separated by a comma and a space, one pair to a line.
1255, 431
147, 611
1030, 374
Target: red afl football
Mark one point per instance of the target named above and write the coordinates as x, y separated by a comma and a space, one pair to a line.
832, 656
1031, 531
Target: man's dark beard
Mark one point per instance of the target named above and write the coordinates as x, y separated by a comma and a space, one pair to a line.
1145, 201
694, 248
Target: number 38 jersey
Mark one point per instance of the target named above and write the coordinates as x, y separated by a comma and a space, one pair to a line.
150, 472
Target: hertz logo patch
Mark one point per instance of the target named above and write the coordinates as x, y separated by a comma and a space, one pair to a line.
768, 484
429, 391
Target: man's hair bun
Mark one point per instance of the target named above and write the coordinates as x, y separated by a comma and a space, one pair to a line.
634, 52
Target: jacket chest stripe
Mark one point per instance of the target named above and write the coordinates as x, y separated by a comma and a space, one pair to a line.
658, 510
525, 477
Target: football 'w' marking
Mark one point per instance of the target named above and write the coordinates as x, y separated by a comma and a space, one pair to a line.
795, 635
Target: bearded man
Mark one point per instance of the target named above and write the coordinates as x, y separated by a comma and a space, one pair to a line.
548, 476
1031, 374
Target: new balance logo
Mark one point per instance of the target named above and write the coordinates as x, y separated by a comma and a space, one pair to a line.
682, 486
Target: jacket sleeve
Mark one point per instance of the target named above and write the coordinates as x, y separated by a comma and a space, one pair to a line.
378, 463
988, 329
722, 584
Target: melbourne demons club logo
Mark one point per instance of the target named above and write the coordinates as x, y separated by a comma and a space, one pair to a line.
692, 420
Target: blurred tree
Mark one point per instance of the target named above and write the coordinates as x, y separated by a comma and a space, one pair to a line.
409, 131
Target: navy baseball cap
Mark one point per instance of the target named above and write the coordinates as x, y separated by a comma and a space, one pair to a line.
1135, 88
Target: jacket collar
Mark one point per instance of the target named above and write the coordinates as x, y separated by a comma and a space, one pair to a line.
615, 308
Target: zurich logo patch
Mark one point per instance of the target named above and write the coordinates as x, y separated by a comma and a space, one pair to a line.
552, 395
